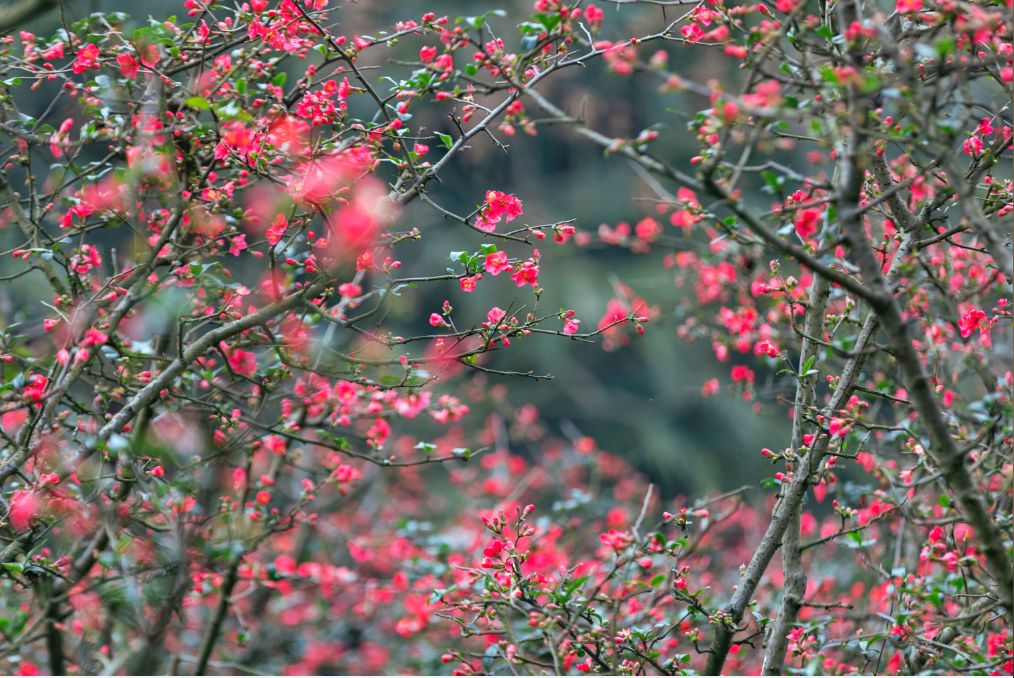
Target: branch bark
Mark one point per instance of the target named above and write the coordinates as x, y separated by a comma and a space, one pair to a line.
792, 566
942, 449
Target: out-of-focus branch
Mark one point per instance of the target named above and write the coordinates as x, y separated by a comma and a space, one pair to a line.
13, 202
989, 232
711, 187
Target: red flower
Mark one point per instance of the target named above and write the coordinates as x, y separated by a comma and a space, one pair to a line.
806, 223
594, 15
427, 54
971, 320
276, 230
87, 57
35, 389
128, 65
498, 205
242, 362
94, 337
527, 274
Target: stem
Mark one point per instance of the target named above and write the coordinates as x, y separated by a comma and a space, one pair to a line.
795, 576
215, 627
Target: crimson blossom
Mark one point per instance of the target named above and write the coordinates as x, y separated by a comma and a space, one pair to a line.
245, 429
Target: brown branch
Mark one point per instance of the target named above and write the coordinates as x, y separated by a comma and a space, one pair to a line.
792, 565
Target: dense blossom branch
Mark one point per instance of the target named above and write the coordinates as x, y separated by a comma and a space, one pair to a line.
264, 314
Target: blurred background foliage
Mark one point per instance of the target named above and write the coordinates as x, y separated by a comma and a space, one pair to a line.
643, 400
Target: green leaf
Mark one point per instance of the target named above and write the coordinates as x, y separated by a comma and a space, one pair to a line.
445, 140
198, 103
774, 182
825, 32
547, 21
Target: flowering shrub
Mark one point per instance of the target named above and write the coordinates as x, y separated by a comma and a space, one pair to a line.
233, 439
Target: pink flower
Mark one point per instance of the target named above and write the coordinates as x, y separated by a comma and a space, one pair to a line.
237, 244
972, 146
29, 669
25, 507
58, 138
469, 282
128, 65
87, 57
494, 316
616, 540
908, 6
379, 432
54, 51
437, 321
711, 387
86, 260
742, 373
972, 319
276, 230
594, 15
806, 223
427, 54
527, 274
496, 263
570, 326
242, 362
35, 389
498, 205
838, 428
94, 337
349, 290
